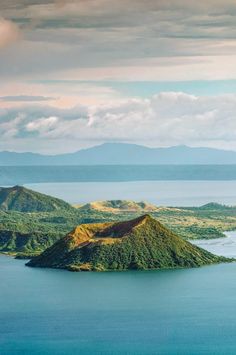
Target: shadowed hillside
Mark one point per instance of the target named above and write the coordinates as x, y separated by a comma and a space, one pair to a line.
20, 199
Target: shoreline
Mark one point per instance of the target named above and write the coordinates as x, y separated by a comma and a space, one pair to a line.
227, 245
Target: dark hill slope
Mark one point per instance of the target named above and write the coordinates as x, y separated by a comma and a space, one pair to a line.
20, 199
142, 243
26, 244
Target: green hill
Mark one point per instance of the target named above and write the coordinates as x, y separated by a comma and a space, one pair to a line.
141, 243
215, 206
20, 199
117, 206
26, 244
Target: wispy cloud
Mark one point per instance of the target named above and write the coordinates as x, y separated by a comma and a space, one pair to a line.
42, 125
66, 38
26, 98
9, 32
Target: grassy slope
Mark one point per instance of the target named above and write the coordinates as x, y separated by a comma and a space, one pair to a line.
118, 206
143, 243
20, 199
31, 233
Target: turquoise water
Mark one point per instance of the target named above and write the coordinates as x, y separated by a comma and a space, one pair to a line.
172, 312
166, 193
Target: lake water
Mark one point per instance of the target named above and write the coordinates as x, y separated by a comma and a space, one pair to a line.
170, 312
220, 246
19, 175
166, 193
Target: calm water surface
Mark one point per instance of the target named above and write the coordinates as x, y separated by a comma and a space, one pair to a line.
220, 246
171, 312
169, 193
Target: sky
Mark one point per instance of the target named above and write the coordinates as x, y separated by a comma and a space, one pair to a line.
78, 73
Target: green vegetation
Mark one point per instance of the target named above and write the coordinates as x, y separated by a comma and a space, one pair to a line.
141, 244
48, 219
20, 199
31, 233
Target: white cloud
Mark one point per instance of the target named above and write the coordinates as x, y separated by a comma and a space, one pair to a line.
102, 40
42, 125
163, 120
9, 32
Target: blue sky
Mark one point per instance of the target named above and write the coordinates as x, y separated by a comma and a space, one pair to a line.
149, 88
75, 73
146, 89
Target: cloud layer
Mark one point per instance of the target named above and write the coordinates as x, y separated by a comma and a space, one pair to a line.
165, 119
9, 32
25, 98
55, 92
108, 39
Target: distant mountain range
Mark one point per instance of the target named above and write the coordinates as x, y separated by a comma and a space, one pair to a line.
123, 154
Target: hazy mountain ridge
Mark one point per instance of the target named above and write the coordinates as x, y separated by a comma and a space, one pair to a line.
123, 154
